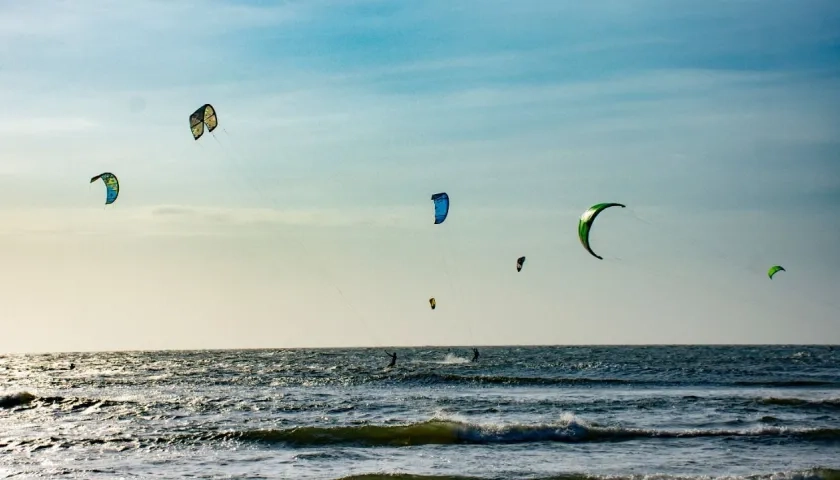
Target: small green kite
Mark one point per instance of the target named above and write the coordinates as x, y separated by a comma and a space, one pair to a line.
774, 269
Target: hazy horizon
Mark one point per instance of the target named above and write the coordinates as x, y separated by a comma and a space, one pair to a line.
716, 123
467, 348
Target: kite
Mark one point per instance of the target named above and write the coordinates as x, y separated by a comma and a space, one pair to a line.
432, 303
774, 269
206, 115
441, 207
585, 224
112, 186
519, 263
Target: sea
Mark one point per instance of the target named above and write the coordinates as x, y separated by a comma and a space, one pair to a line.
542, 412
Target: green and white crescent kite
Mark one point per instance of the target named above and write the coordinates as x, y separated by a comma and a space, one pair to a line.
585, 224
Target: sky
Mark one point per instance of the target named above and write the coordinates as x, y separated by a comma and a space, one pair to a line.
305, 219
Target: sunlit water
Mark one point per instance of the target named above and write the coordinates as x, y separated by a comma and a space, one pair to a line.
539, 412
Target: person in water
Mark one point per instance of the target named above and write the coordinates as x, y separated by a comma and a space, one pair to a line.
475, 354
393, 358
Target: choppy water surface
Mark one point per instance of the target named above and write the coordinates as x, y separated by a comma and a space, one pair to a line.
530, 412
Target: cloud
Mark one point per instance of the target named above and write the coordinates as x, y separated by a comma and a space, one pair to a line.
41, 126
193, 220
645, 137
333, 217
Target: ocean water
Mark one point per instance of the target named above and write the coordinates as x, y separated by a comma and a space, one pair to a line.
519, 412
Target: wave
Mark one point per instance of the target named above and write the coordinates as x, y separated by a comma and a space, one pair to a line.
18, 399
782, 383
446, 432
437, 431
448, 359
452, 378
432, 378
824, 404
817, 473
27, 400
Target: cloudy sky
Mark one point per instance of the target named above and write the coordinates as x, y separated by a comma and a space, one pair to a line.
306, 219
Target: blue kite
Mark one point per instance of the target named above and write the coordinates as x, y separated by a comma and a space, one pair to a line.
441, 206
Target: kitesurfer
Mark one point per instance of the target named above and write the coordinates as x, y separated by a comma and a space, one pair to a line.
475, 354
393, 358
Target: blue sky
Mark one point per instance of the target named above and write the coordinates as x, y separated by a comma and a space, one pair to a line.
716, 122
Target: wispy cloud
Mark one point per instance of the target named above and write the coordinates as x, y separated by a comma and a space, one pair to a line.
45, 125
193, 220
504, 110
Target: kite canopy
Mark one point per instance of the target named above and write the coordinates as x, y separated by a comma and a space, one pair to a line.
112, 186
205, 115
585, 224
774, 269
432, 303
441, 207
519, 263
